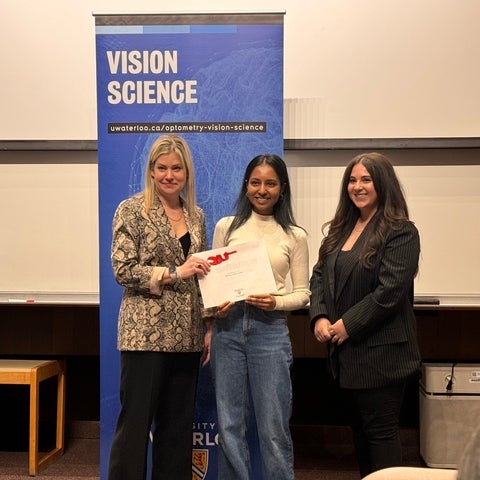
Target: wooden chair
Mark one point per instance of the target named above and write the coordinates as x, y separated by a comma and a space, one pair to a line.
32, 372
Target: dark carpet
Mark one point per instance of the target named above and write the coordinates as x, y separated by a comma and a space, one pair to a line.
314, 458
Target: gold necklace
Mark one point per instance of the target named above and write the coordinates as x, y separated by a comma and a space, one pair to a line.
174, 219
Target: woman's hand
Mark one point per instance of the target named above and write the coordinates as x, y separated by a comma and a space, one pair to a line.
338, 332
322, 330
207, 341
193, 266
222, 310
264, 301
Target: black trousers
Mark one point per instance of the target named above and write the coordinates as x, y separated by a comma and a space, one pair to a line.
157, 394
374, 417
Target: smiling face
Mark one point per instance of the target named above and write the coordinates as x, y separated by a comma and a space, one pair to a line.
169, 175
263, 189
361, 190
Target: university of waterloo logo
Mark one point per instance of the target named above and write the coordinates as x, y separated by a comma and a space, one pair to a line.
199, 463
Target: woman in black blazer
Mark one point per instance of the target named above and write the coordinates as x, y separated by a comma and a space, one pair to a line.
361, 304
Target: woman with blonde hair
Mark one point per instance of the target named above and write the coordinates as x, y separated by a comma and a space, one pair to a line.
156, 234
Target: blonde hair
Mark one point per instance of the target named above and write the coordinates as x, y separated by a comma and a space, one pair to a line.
162, 146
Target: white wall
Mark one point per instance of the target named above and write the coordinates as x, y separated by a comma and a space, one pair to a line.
376, 68
444, 203
49, 240
371, 69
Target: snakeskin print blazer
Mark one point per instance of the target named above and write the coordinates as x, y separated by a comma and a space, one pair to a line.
154, 317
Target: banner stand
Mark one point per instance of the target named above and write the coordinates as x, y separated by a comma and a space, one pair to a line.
216, 79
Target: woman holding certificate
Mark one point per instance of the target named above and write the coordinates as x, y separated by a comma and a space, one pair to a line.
156, 234
251, 352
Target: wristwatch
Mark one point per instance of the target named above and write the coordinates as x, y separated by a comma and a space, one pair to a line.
172, 270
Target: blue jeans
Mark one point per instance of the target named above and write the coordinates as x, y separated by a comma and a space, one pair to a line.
251, 356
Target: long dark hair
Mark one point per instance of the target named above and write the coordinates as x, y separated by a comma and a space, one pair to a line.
282, 210
392, 209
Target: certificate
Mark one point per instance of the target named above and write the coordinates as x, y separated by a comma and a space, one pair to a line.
236, 272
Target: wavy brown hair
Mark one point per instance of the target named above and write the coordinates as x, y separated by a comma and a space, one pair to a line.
392, 209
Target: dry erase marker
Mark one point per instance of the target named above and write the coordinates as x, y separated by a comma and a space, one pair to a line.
19, 300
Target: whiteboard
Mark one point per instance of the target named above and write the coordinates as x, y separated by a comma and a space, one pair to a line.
369, 69
444, 203
49, 240
49, 213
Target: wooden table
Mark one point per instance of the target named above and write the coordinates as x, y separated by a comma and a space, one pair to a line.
32, 372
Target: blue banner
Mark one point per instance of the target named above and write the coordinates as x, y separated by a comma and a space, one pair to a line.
216, 80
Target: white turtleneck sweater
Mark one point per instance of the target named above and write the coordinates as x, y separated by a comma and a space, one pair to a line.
286, 252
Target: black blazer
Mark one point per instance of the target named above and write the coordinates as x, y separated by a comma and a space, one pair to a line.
376, 308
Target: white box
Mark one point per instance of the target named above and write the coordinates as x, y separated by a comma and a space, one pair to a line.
447, 417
